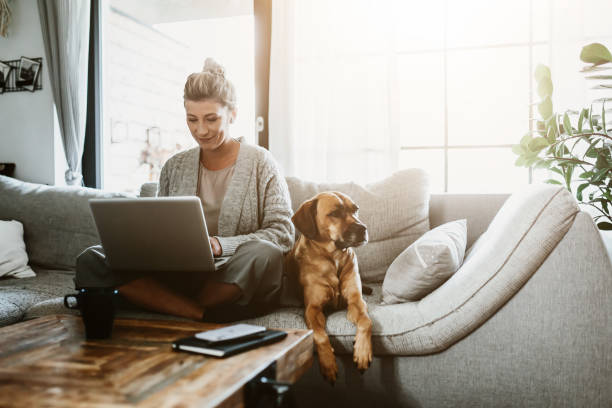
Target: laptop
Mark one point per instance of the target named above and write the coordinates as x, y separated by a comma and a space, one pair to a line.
161, 234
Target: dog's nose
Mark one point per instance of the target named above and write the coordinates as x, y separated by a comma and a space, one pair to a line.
357, 228
357, 232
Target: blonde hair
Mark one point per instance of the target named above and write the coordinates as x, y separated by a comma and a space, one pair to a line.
211, 83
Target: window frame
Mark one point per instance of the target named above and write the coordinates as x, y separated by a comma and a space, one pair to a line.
91, 163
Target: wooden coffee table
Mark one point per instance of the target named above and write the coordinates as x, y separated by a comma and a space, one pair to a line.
48, 362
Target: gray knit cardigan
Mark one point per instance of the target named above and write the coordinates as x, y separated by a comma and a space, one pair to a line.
256, 205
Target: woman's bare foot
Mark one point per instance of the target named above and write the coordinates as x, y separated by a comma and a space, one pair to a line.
218, 293
151, 295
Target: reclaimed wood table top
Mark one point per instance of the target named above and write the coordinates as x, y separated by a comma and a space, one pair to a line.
48, 362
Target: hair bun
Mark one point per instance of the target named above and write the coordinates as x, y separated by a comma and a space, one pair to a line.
212, 66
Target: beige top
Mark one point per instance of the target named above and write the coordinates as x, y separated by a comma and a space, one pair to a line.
211, 190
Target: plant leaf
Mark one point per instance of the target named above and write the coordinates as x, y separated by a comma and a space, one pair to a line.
525, 141
601, 162
594, 68
537, 144
604, 226
581, 118
553, 181
542, 71
586, 175
530, 161
592, 151
545, 108
599, 77
600, 175
543, 164
518, 149
579, 190
568, 176
567, 125
556, 170
545, 87
590, 116
551, 136
595, 54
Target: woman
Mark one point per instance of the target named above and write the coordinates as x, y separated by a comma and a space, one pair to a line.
246, 205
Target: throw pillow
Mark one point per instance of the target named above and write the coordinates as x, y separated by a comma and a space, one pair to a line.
13, 256
426, 264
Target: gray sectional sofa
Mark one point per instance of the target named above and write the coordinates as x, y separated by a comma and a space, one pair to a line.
526, 321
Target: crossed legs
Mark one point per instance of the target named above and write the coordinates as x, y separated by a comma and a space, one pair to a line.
152, 295
256, 264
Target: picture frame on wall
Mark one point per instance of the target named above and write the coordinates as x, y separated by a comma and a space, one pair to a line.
5, 71
27, 74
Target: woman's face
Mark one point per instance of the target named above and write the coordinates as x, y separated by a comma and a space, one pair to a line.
208, 122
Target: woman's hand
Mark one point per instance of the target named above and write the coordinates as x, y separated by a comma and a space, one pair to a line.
216, 246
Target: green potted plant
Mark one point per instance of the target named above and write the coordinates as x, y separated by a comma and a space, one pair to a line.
576, 145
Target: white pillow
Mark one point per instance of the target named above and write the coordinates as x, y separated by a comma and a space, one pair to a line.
13, 256
426, 264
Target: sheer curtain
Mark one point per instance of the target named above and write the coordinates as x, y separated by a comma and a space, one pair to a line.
329, 89
65, 30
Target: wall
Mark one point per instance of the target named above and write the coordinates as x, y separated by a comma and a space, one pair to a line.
144, 118
27, 119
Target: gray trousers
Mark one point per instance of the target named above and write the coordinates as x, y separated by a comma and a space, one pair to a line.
256, 268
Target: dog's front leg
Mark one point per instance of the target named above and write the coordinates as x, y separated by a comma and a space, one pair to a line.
358, 314
315, 320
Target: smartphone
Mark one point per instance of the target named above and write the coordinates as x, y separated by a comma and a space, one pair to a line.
232, 332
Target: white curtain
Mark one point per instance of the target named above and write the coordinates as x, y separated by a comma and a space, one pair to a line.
329, 87
65, 29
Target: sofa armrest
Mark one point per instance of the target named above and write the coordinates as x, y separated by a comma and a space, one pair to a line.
478, 209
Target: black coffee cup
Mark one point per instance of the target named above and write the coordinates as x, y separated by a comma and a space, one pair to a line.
97, 306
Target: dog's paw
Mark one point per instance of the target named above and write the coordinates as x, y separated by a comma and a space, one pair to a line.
362, 353
329, 368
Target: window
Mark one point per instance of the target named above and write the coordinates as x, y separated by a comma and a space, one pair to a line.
149, 48
464, 88
447, 86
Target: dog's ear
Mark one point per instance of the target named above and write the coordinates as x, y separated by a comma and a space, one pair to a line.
305, 219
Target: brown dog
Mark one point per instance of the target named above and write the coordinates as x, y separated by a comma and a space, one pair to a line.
328, 272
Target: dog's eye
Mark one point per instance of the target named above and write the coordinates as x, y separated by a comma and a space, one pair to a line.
335, 213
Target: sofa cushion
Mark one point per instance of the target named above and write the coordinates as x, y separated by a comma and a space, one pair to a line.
426, 264
395, 210
57, 221
17, 296
520, 237
13, 255
9, 312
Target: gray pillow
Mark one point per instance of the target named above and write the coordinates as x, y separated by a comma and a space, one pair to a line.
426, 264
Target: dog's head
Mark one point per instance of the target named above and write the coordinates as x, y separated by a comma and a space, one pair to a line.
331, 217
